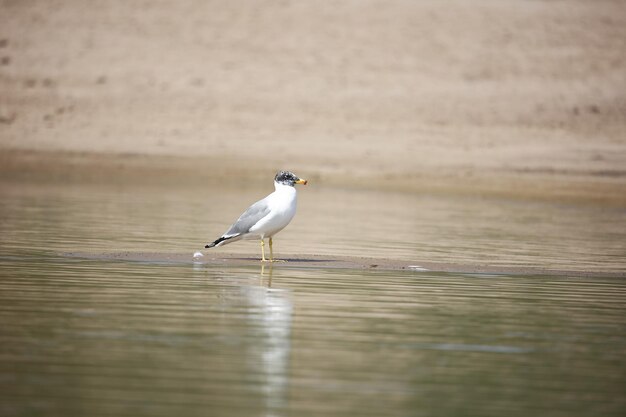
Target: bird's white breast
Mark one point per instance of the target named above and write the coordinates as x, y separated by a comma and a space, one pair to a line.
282, 203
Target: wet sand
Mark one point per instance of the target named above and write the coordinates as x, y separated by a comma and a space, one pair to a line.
334, 262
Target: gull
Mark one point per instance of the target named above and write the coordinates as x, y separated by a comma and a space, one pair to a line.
266, 217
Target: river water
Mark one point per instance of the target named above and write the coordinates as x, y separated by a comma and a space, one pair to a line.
91, 337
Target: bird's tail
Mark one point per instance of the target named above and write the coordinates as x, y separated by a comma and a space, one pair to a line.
217, 242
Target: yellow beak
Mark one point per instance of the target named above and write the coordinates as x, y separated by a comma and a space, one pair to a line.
301, 181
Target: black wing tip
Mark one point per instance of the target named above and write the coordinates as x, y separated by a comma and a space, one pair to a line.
217, 242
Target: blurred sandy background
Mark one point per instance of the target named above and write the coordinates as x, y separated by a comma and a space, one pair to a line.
516, 98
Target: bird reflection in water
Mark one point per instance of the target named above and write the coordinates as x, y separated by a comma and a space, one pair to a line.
266, 276
271, 316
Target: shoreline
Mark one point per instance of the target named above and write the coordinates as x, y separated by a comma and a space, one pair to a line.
129, 169
307, 261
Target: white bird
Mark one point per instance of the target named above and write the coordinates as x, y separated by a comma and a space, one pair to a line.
266, 217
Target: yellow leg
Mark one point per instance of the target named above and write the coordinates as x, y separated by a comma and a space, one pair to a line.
271, 251
272, 254
263, 251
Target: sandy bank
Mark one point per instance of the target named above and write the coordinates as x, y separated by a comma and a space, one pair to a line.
332, 262
523, 99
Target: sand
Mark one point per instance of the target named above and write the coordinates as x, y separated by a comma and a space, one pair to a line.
524, 99
308, 261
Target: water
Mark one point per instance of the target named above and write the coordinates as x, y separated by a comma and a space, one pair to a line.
86, 337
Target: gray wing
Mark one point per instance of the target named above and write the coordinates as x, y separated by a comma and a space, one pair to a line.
248, 219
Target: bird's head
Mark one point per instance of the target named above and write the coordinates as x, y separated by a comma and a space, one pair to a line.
288, 178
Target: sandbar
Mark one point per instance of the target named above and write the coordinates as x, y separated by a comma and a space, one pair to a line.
308, 261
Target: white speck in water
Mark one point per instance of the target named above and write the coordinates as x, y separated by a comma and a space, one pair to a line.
417, 268
198, 255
